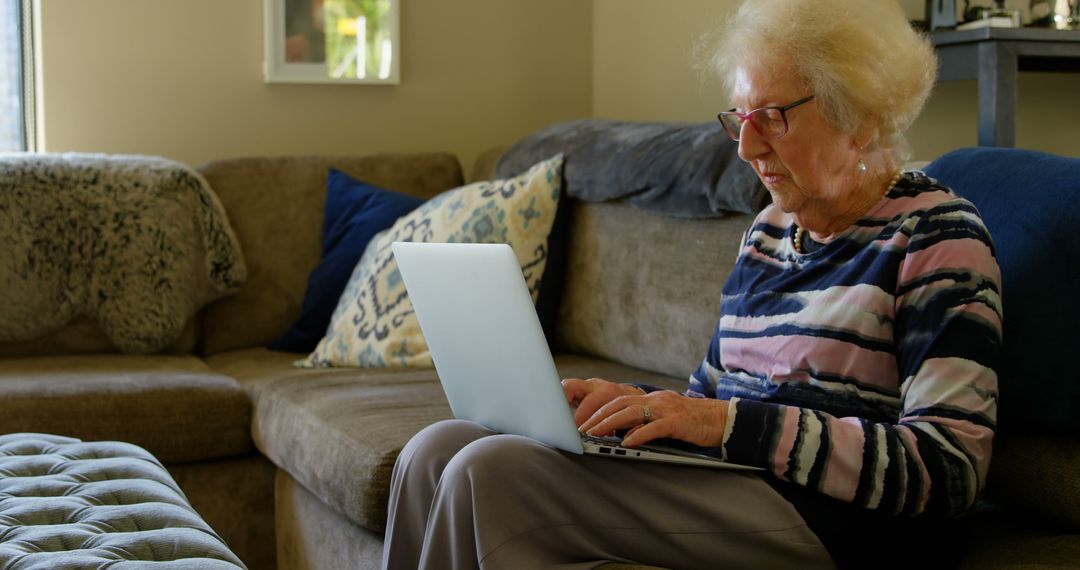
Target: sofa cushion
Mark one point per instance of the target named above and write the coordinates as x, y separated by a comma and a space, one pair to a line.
275, 206
1038, 474
1030, 202
374, 325
335, 430
1005, 539
173, 406
684, 170
338, 431
83, 336
355, 211
646, 287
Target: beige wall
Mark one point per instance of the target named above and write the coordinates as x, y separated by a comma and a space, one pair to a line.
644, 69
183, 79
644, 59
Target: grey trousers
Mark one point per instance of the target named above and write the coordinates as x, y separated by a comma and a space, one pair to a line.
465, 497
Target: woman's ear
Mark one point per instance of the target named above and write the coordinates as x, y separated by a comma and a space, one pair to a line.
867, 134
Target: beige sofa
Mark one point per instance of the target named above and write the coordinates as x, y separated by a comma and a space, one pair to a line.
291, 466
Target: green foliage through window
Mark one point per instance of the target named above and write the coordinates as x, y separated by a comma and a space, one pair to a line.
358, 38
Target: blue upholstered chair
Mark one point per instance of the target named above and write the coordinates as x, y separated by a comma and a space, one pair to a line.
1030, 201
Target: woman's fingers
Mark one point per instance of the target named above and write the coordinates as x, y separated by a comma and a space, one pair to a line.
694, 420
575, 389
653, 430
625, 418
590, 404
639, 433
589, 395
621, 413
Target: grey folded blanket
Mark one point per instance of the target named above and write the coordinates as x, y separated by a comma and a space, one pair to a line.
684, 170
136, 243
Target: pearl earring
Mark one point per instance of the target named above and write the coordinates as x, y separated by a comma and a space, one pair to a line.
861, 167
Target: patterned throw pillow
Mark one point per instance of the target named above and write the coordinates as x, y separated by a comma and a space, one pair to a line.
374, 325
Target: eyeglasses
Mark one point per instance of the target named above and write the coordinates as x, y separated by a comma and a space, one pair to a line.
769, 121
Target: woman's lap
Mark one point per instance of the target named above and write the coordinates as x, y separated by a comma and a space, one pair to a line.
509, 501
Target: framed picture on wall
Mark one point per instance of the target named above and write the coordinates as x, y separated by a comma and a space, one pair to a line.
331, 41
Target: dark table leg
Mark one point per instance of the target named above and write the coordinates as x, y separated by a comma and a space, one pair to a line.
997, 94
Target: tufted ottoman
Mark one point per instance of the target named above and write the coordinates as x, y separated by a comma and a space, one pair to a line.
67, 504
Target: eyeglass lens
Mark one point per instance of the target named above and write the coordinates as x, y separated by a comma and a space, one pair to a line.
769, 121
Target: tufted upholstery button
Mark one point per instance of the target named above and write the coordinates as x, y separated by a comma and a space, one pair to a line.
65, 503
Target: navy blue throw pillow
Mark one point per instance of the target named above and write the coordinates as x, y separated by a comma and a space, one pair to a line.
354, 213
1030, 202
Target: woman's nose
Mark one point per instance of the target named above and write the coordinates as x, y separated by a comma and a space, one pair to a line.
751, 143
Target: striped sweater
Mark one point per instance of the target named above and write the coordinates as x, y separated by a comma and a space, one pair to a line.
865, 370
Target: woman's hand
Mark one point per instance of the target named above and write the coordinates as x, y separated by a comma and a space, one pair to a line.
699, 421
590, 395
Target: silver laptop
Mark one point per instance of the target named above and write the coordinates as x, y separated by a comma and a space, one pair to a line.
480, 324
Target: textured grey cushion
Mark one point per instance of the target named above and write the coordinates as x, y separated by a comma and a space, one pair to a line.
69, 504
684, 170
338, 431
644, 289
335, 430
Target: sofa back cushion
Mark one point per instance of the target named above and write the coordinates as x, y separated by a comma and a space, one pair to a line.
276, 209
688, 170
84, 336
643, 289
1029, 201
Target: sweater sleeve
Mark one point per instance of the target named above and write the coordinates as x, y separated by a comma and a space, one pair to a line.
947, 332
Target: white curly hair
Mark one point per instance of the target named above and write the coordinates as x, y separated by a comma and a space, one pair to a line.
861, 58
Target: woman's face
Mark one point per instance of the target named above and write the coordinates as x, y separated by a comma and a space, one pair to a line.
810, 171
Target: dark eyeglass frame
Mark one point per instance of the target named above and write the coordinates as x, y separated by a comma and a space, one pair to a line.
735, 130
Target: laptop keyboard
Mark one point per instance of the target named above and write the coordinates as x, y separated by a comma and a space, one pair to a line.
609, 440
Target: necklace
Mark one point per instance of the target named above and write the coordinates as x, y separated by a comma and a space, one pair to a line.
797, 237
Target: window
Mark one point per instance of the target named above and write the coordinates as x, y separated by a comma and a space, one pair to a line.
14, 36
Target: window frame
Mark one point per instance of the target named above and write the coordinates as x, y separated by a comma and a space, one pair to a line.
27, 75
18, 34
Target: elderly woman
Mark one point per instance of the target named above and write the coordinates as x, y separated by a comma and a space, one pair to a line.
853, 360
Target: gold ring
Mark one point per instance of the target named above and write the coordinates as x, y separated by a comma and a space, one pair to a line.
647, 412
